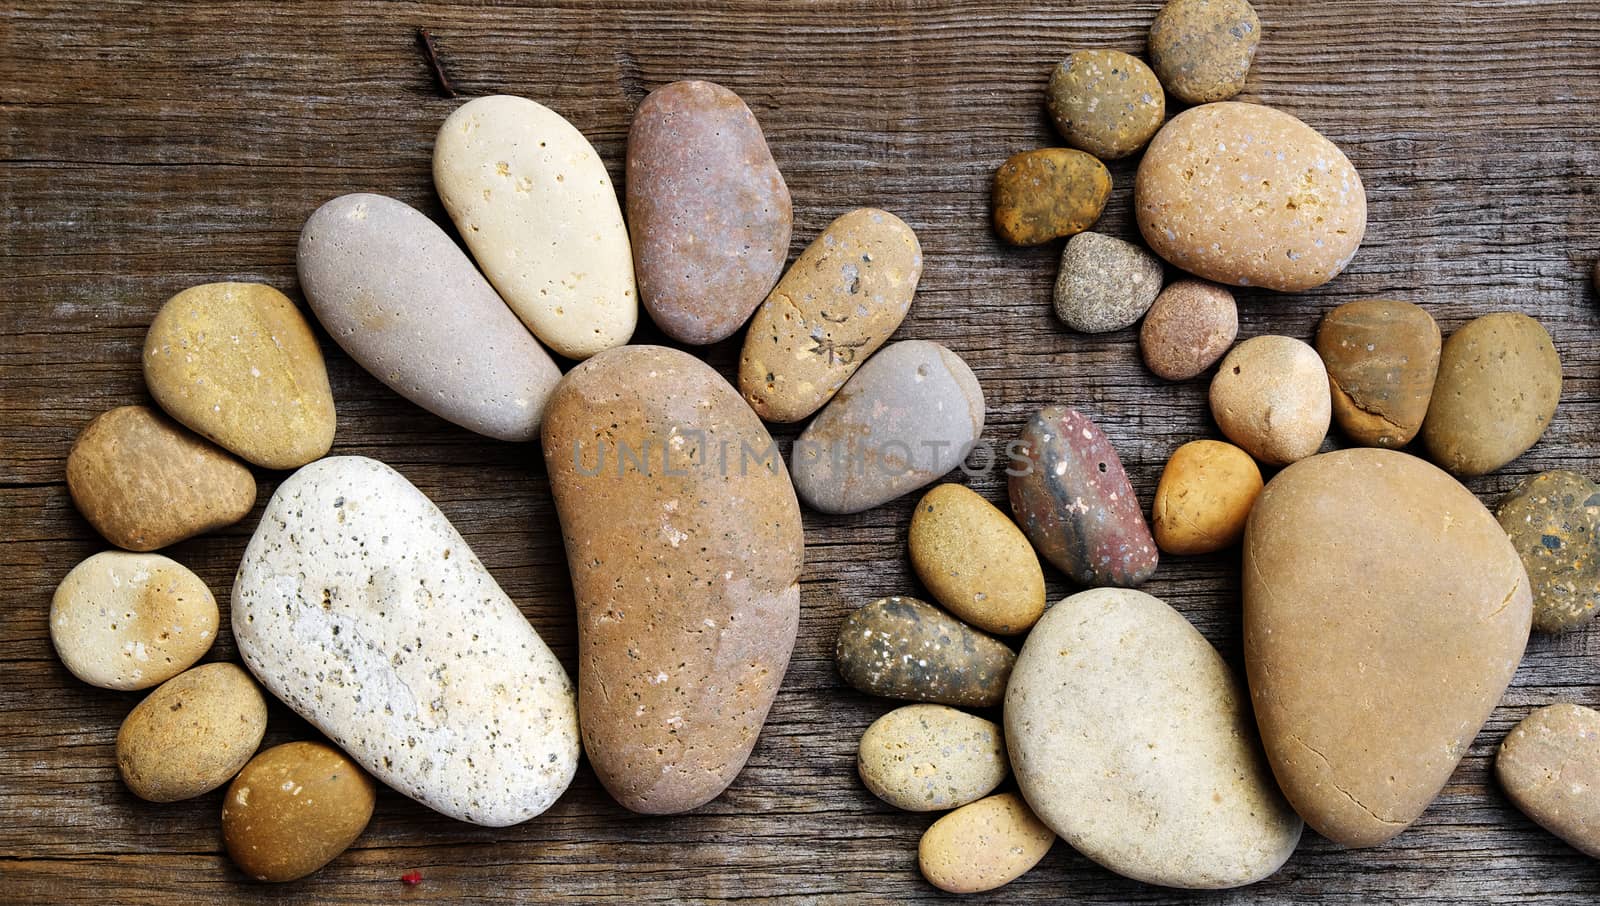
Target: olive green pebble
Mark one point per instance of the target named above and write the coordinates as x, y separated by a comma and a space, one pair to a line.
1106, 102
1202, 49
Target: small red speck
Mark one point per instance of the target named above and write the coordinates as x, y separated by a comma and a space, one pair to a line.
411, 878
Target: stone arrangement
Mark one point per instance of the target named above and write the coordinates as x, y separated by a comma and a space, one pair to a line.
1385, 607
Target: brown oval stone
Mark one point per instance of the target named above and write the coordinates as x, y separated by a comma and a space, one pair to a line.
1105, 102
842, 298
1498, 385
145, 482
708, 211
1205, 496
293, 809
1202, 49
684, 541
1549, 766
982, 846
1190, 325
238, 364
976, 561
1382, 357
1370, 578
908, 649
1553, 520
1271, 397
1047, 194
192, 734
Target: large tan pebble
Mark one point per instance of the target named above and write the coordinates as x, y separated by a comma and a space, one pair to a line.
293, 809
238, 364
131, 621
985, 845
192, 734
1270, 396
928, 758
976, 561
144, 481
1204, 497
1498, 385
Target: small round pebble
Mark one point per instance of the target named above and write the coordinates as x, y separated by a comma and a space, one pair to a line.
908, 649
985, 845
976, 561
1105, 283
1105, 102
1202, 49
1204, 498
131, 621
930, 758
1553, 520
1049, 193
1549, 766
1498, 385
293, 809
1190, 326
1270, 396
192, 734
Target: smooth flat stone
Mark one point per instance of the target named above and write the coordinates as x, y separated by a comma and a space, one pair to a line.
930, 758
1206, 492
982, 846
237, 364
293, 809
1105, 284
1072, 499
534, 203
144, 481
1549, 766
1047, 194
976, 561
402, 299
1131, 739
1189, 326
1202, 49
362, 608
1105, 102
843, 297
684, 541
192, 734
1382, 357
907, 649
1270, 396
710, 212
910, 415
1369, 575
1498, 386
1553, 521
131, 621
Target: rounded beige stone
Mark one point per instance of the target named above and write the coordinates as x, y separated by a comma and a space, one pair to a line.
238, 364
1549, 766
1249, 196
131, 621
976, 561
928, 758
985, 845
1498, 385
192, 734
293, 809
1270, 396
1204, 498
843, 297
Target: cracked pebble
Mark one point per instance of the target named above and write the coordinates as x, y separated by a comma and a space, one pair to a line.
1549, 766
931, 758
908, 649
1382, 358
130, 621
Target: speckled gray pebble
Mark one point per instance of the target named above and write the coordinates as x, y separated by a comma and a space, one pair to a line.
362, 608
908, 649
1105, 283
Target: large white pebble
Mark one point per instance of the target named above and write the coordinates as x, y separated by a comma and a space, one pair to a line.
535, 205
1133, 741
361, 606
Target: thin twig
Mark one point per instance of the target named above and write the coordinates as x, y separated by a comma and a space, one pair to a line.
430, 52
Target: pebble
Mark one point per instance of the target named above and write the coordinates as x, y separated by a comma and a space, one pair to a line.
1073, 500
907, 649
1047, 194
1202, 49
1105, 284
131, 621
910, 415
145, 482
1499, 382
1132, 740
1205, 496
1247, 195
397, 293
1369, 576
1270, 396
930, 758
1549, 766
685, 563
1553, 520
975, 560
710, 212
1105, 102
293, 809
1190, 326
362, 608
982, 846
839, 302
237, 364
1382, 357
532, 199
192, 734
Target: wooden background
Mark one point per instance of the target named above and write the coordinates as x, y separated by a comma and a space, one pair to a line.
144, 149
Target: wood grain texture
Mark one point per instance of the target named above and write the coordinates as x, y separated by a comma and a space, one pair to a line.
147, 148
